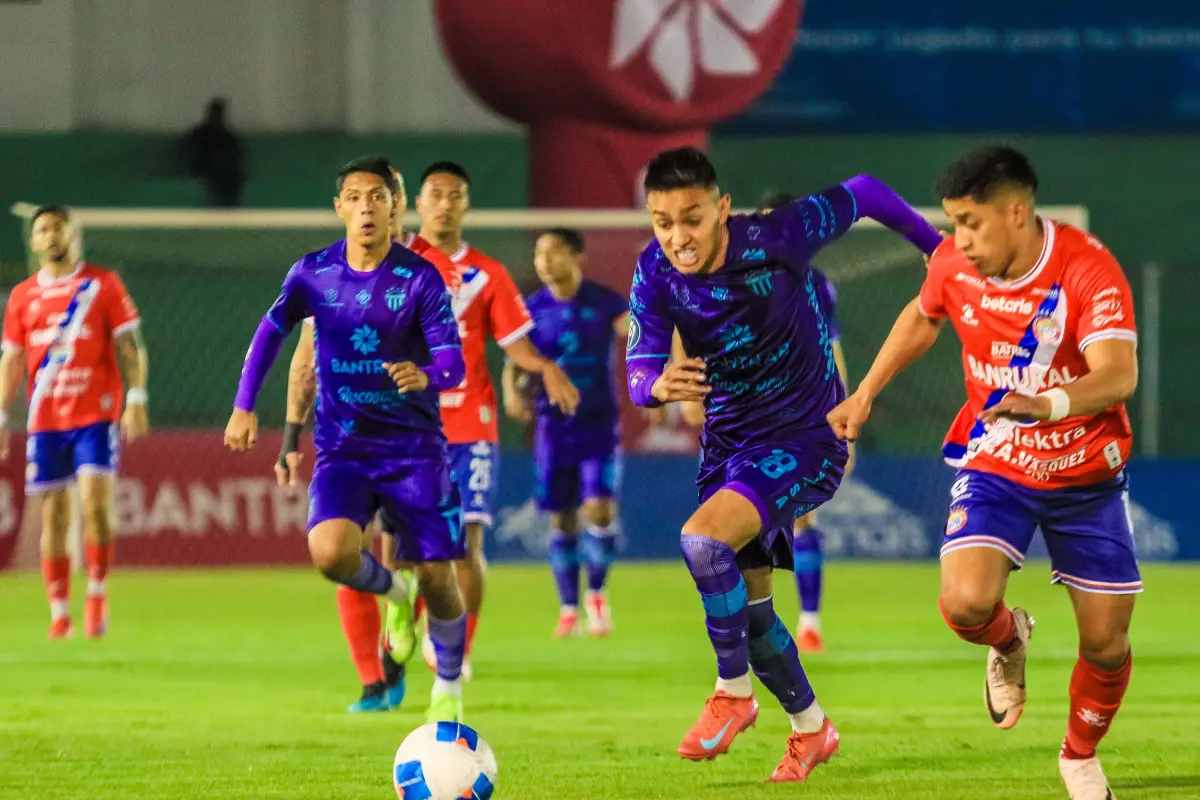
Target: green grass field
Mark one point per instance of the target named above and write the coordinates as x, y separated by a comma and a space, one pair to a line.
232, 684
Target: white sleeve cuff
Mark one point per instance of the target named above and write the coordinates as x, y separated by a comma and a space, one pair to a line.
517, 335
1111, 333
126, 327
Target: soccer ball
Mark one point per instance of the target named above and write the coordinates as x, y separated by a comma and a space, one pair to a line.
444, 761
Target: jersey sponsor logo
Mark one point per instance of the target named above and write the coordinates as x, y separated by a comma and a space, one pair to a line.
363, 297
1019, 379
45, 336
1036, 439
365, 366
720, 293
331, 299
1009, 350
1106, 307
968, 315
970, 280
369, 398
402, 272
955, 521
365, 340
754, 254
735, 337
1006, 305
452, 399
961, 488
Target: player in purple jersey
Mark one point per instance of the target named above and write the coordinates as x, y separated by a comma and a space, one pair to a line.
742, 294
577, 457
387, 343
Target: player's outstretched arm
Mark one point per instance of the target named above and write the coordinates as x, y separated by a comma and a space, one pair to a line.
559, 389
1111, 380
133, 359
11, 369
515, 405
911, 337
301, 393
876, 200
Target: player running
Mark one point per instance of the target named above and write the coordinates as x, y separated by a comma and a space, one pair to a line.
487, 304
807, 542
1049, 359
386, 342
577, 458
76, 332
741, 293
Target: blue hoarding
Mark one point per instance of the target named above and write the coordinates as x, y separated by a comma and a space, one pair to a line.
1018, 66
893, 508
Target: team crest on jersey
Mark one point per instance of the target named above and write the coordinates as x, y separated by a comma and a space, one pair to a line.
956, 521
395, 298
1047, 330
760, 282
635, 334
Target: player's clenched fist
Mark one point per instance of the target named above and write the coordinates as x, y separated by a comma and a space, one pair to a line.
848, 418
408, 376
241, 433
559, 389
1018, 407
682, 380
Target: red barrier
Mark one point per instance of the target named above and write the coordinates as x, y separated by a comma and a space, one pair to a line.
182, 500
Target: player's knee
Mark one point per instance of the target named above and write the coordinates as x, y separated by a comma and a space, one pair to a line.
439, 586
327, 554
1106, 650
964, 607
600, 512
565, 521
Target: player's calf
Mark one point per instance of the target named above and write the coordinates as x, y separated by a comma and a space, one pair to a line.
447, 623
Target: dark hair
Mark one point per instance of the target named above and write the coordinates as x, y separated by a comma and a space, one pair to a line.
682, 168
376, 165
572, 238
446, 168
774, 200
57, 210
981, 173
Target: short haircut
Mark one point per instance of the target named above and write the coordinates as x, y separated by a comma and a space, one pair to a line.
57, 210
572, 238
376, 165
981, 173
446, 168
682, 168
774, 200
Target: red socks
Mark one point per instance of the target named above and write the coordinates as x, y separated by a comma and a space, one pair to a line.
56, 573
999, 630
99, 559
1095, 698
472, 621
361, 625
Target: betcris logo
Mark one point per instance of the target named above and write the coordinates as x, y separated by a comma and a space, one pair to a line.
1006, 305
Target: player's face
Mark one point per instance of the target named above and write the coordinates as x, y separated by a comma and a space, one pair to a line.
690, 226
986, 233
443, 203
51, 237
399, 206
365, 205
553, 261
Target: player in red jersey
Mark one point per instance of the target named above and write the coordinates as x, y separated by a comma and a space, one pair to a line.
487, 304
1049, 358
75, 331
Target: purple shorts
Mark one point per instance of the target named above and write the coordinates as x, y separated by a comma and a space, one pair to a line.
568, 472
1087, 529
418, 500
784, 480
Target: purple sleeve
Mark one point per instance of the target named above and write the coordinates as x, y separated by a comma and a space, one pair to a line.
649, 345
829, 305
287, 311
447, 369
440, 329
875, 199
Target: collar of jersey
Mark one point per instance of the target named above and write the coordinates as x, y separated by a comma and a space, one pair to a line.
45, 280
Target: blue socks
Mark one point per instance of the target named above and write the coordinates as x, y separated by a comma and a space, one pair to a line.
599, 550
723, 593
809, 565
564, 563
775, 660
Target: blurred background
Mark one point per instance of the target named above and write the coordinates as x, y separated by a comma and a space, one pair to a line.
198, 142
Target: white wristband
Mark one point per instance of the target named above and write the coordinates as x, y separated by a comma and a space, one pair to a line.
3, 419
1060, 404
136, 397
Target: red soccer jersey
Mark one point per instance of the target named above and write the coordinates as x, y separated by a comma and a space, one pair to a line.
1028, 336
486, 303
66, 328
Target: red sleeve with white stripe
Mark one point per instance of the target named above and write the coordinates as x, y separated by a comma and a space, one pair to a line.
119, 310
1105, 302
507, 313
14, 324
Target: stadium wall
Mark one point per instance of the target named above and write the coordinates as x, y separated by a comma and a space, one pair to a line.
184, 500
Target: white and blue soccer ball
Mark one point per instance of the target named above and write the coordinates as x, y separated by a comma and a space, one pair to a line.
444, 761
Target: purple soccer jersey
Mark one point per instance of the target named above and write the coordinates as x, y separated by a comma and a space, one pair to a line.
577, 333
827, 297
398, 312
